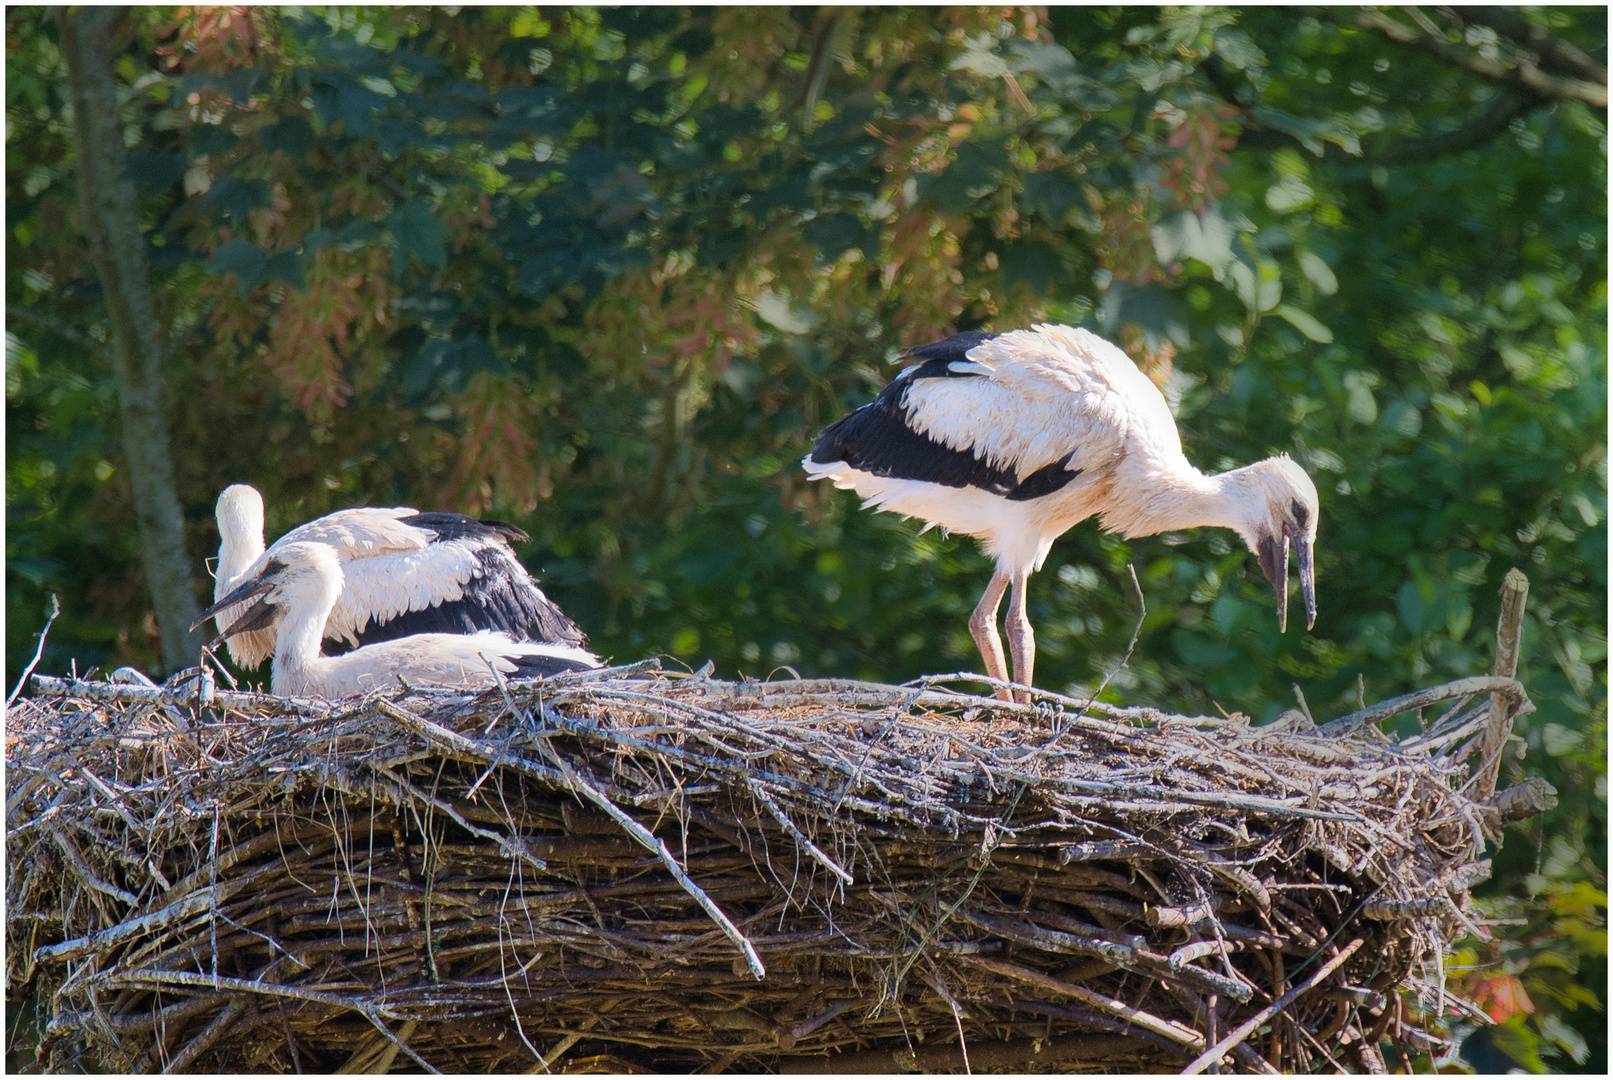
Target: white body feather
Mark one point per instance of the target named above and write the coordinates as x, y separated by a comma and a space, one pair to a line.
307, 590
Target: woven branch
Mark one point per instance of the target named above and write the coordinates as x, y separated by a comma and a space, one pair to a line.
641, 871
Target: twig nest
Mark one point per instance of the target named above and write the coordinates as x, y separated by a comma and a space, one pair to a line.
681, 873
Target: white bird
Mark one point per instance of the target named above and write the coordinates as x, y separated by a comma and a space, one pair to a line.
1014, 438
405, 572
297, 585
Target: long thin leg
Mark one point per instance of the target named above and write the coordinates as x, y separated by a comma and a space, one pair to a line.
983, 628
1021, 638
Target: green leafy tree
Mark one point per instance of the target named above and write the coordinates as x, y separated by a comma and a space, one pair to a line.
605, 273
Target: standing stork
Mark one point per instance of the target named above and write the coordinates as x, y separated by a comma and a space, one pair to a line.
1013, 438
298, 585
404, 572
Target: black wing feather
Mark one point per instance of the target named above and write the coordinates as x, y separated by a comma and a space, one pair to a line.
949, 349
459, 527
529, 667
878, 438
502, 596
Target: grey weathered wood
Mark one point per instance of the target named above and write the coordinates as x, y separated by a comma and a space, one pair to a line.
111, 223
1508, 688
1532, 796
1508, 631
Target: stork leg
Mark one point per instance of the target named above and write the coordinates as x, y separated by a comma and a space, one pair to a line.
1021, 638
983, 628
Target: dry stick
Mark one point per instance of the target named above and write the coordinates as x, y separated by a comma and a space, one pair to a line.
70, 850
514, 847
985, 864
50, 686
151, 979
1383, 710
1508, 630
651, 841
1247, 1028
178, 912
209, 1035
546, 1061
573, 678
55, 610
1169, 1029
800, 837
383, 1064
940, 988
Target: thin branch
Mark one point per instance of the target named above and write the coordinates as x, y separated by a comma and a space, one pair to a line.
1509, 689
60, 329
55, 610
800, 837
1142, 615
1508, 633
209, 1035
650, 840
1507, 105
1527, 75
1247, 1028
1554, 52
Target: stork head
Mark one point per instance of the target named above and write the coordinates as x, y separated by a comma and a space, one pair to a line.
1279, 508
305, 576
240, 513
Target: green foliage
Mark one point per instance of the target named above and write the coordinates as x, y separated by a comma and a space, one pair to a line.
605, 272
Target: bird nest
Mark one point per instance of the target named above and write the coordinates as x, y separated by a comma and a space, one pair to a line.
631, 871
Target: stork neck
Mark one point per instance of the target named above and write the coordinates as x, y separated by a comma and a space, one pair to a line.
1179, 497
240, 544
296, 656
1206, 500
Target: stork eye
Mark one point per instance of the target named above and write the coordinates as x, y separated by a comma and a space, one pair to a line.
1301, 512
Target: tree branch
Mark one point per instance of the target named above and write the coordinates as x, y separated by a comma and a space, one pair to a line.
1554, 52
60, 329
1526, 76
1476, 132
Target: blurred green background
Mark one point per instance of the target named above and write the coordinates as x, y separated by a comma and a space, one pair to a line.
605, 273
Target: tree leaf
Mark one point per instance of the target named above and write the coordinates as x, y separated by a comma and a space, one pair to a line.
1308, 325
241, 257
416, 231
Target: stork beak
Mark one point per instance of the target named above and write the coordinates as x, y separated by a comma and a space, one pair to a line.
1273, 552
256, 617
1307, 579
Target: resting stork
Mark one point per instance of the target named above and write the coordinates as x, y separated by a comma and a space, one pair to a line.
298, 585
1013, 438
405, 572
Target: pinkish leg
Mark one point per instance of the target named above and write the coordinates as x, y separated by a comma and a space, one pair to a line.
1021, 638
983, 627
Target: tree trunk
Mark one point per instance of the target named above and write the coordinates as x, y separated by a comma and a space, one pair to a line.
111, 225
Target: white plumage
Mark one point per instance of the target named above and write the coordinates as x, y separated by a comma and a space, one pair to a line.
1013, 438
296, 587
404, 572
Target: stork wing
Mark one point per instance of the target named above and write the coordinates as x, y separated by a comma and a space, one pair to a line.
449, 587
1031, 398
362, 532
408, 572
1018, 415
